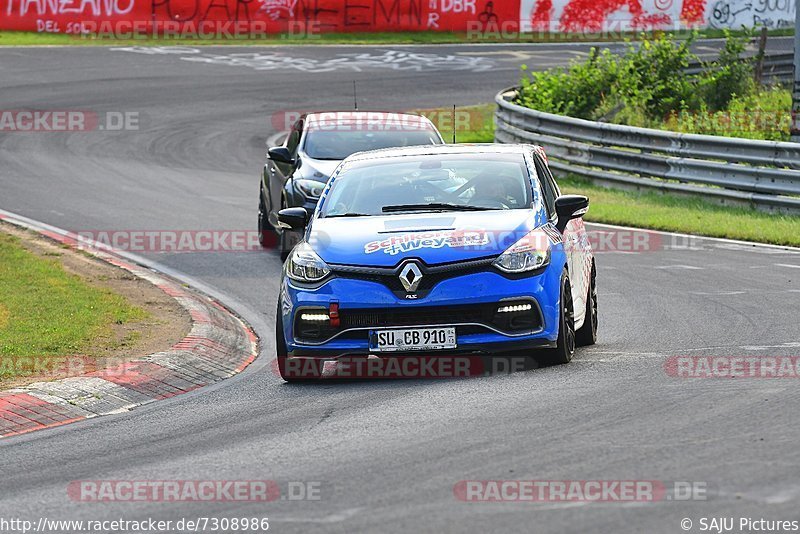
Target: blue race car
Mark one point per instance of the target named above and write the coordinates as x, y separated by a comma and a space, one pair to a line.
437, 250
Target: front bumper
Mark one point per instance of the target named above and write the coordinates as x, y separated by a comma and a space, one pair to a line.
469, 303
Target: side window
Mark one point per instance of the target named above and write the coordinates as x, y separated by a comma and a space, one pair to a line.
549, 188
294, 137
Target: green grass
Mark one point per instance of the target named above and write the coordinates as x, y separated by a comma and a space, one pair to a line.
11, 38
683, 214
766, 114
8, 38
474, 124
46, 312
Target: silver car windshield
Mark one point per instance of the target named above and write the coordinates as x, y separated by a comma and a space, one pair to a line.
339, 143
452, 182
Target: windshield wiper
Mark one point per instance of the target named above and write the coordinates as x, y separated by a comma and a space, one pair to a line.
436, 206
347, 215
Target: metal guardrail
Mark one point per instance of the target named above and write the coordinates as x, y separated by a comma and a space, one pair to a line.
776, 68
761, 174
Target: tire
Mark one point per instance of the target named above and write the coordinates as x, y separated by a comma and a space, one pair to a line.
308, 373
587, 334
565, 346
267, 237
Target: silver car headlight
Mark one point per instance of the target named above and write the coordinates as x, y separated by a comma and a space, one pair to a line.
310, 188
528, 254
304, 265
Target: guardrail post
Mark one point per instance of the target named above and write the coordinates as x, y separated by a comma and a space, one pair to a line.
762, 49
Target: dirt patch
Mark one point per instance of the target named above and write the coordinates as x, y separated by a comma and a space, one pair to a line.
166, 322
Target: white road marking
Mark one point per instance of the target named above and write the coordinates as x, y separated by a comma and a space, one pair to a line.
332, 518
530, 55
786, 345
787, 265
672, 352
717, 293
749, 248
795, 250
396, 60
686, 267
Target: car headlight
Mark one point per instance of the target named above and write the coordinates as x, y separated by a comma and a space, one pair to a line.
528, 254
310, 188
304, 265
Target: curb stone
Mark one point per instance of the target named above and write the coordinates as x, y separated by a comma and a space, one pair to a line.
218, 346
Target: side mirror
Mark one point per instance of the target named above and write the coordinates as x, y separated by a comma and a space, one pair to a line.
570, 207
280, 154
293, 218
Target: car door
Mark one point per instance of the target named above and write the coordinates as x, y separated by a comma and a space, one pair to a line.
574, 240
280, 173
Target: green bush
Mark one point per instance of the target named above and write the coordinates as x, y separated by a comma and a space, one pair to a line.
652, 78
728, 77
647, 79
576, 91
647, 86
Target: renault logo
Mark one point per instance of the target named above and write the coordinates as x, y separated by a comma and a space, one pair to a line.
411, 277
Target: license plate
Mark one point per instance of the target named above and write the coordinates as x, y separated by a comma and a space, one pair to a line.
412, 340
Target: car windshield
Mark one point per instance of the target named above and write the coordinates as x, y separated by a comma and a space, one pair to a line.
451, 182
339, 143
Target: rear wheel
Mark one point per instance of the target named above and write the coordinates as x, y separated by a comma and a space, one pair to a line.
587, 334
565, 346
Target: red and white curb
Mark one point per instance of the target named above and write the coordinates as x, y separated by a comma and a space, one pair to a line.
218, 346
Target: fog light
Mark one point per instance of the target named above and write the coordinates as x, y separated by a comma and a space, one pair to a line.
314, 317
515, 308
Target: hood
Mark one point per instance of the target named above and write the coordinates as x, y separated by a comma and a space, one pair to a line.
434, 238
317, 169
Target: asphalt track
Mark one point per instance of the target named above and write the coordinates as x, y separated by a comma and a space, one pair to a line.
388, 453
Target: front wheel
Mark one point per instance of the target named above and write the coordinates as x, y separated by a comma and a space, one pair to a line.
565, 347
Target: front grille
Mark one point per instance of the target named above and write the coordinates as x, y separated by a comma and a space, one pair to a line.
429, 280
431, 276
441, 315
399, 317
